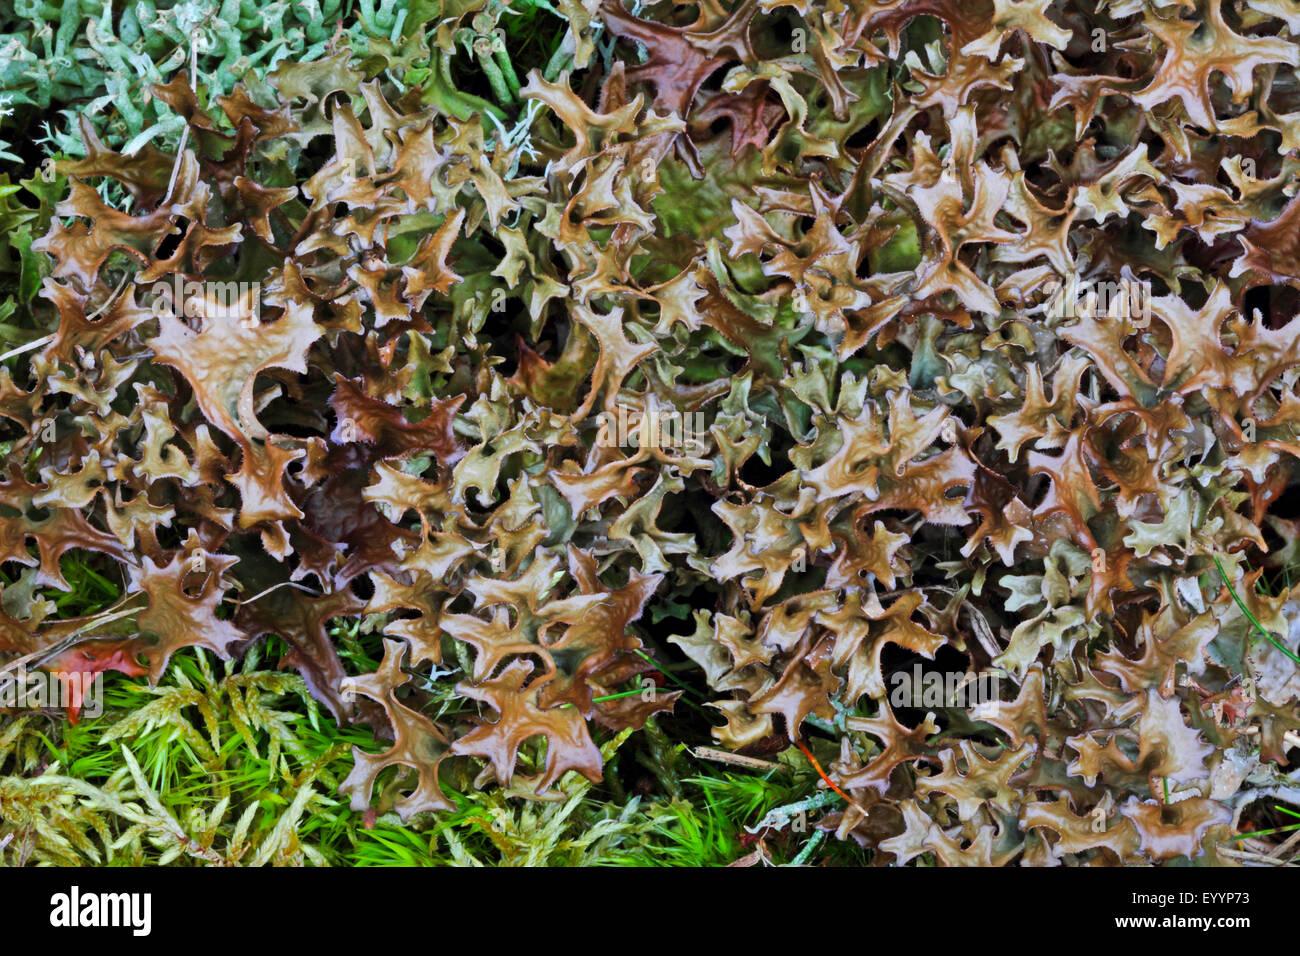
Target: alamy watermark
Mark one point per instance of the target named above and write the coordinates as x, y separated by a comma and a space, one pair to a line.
1128, 299
664, 428
931, 689
208, 300
77, 908
81, 691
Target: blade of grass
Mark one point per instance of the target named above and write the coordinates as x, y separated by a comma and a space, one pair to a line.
1241, 605
1260, 833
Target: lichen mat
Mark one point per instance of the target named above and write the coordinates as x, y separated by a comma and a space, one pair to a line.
718, 433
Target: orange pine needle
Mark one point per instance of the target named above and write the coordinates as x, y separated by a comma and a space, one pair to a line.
829, 782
